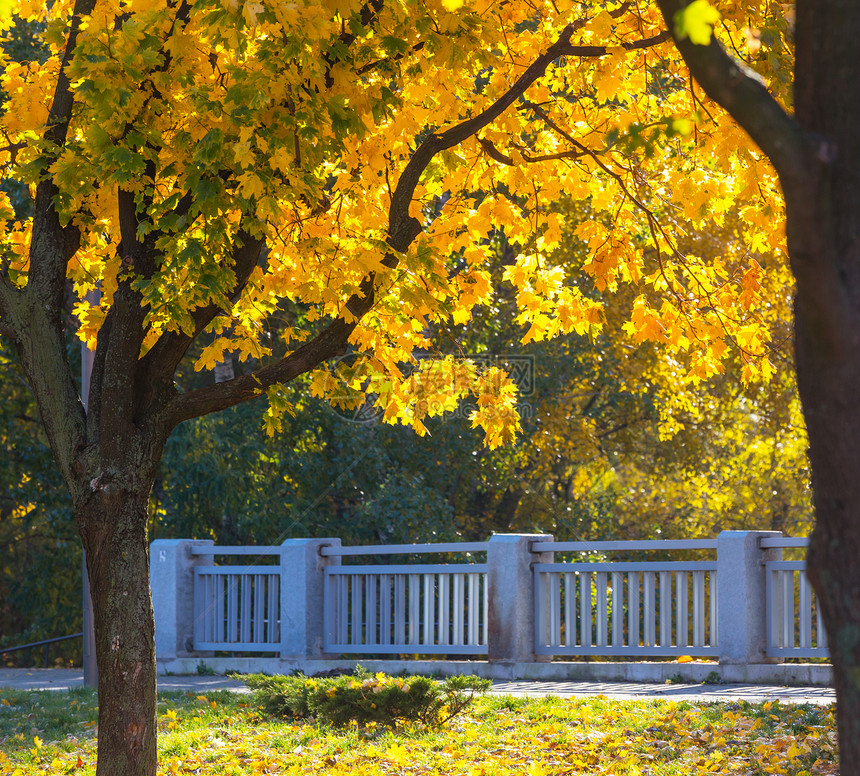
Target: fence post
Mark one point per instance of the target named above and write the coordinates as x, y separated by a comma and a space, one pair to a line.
741, 596
302, 587
510, 587
171, 579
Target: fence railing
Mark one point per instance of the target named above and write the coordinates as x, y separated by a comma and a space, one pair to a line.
794, 626
414, 608
237, 607
645, 608
44, 643
301, 599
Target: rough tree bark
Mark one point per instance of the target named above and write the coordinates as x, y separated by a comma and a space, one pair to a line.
816, 154
114, 529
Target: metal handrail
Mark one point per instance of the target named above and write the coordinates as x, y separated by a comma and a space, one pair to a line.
45, 642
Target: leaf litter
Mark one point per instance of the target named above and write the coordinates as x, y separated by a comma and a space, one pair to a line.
221, 734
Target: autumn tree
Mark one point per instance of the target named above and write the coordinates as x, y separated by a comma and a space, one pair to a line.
810, 138
204, 162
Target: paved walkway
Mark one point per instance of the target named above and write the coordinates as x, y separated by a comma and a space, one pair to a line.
63, 679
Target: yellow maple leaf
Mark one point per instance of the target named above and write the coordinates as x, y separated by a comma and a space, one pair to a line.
7, 9
452, 5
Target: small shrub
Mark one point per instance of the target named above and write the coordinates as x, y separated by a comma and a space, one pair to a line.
365, 698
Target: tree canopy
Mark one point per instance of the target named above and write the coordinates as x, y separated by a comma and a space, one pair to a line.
202, 130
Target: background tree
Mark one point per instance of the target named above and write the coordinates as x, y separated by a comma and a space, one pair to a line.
206, 162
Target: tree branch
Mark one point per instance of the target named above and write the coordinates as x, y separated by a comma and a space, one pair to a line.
602, 51
804, 161
368, 16
434, 143
501, 158
159, 364
741, 92
402, 231
48, 251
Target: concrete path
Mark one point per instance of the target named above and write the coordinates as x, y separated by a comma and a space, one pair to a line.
63, 679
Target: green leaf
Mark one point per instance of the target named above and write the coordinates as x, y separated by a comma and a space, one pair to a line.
696, 22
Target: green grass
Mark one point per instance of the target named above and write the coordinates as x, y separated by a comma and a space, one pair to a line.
221, 733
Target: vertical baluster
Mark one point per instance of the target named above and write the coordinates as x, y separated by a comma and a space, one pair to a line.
682, 608
820, 630
649, 608
199, 610
617, 609
342, 608
788, 609
414, 620
698, 608
555, 608
805, 604
209, 608
569, 609
444, 622
221, 609
429, 607
600, 580
213, 607
400, 609
459, 608
259, 610
245, 608
486, 610
329, 612
274, 608
385, 608
232, 607
370, 608
714, 632
585, 608
474, 604
775, 580
541, 604
356, 625
665, 609
216, 602
633, 604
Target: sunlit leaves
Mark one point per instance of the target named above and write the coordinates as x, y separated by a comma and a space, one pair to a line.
7, 11
695, 21
294, 122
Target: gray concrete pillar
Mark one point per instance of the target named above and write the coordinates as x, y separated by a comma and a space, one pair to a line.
510, 585
302, 584
171, 578
741, 599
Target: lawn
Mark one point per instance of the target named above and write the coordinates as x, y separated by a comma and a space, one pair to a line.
223, 733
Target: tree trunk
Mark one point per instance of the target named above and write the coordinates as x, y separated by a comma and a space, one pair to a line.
831, 401
113, 525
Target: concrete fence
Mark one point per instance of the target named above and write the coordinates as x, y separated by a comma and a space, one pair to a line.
517, 606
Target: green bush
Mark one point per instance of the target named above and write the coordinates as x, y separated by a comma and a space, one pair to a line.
365, 698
